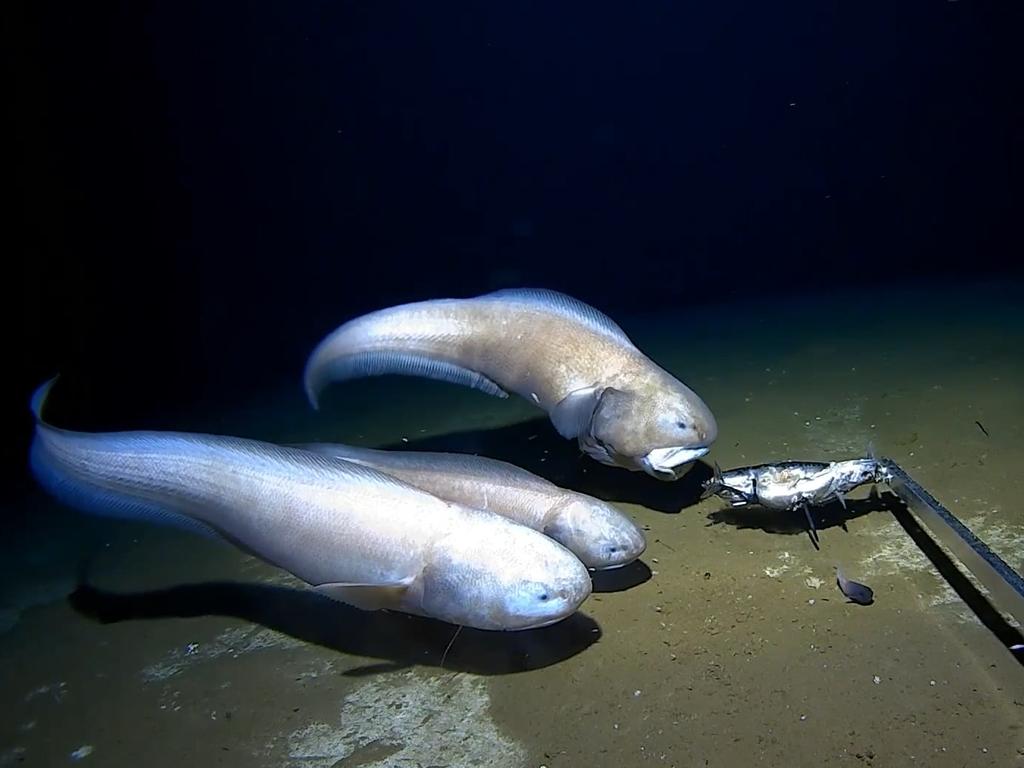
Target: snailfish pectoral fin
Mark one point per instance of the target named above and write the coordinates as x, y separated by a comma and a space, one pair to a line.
572, 415
369, 597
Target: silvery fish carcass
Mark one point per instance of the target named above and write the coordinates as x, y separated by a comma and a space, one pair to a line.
791, 485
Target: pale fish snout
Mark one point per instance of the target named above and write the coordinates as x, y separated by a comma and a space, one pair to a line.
542, 604
596, 532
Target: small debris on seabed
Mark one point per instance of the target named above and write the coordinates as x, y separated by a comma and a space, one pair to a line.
82, 752
855, 591
982, 428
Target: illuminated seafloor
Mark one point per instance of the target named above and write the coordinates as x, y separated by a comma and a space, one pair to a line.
729, 644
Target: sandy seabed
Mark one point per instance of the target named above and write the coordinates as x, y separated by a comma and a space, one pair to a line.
728, 644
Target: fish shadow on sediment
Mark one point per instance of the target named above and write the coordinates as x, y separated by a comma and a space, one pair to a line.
621, 579
398, 640
831, 515
535, 446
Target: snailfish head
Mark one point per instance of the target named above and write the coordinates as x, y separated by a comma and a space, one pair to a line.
597, 533
495, 574
660, 428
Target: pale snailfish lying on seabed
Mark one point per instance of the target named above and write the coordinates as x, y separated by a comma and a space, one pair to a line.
355, 534
560, 354
854, 590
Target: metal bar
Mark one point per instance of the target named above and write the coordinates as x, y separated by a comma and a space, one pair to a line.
1004, 584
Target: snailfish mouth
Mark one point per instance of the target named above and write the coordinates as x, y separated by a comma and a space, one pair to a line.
663, 462
541, 623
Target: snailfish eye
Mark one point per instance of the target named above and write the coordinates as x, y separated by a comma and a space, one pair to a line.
543, 596
681, 424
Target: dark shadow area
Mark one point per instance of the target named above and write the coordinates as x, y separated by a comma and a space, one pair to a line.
987, 614
832, 515
621, 579
399, 640
534, 445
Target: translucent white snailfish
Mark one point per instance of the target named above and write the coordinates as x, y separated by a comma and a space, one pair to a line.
562, 355
601, 536
354, 534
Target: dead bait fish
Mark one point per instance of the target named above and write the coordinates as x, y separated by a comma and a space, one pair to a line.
354, 534
558, 353
854, 590
791, 485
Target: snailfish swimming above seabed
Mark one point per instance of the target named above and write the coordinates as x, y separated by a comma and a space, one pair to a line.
597, 533
551, 349
353, 533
